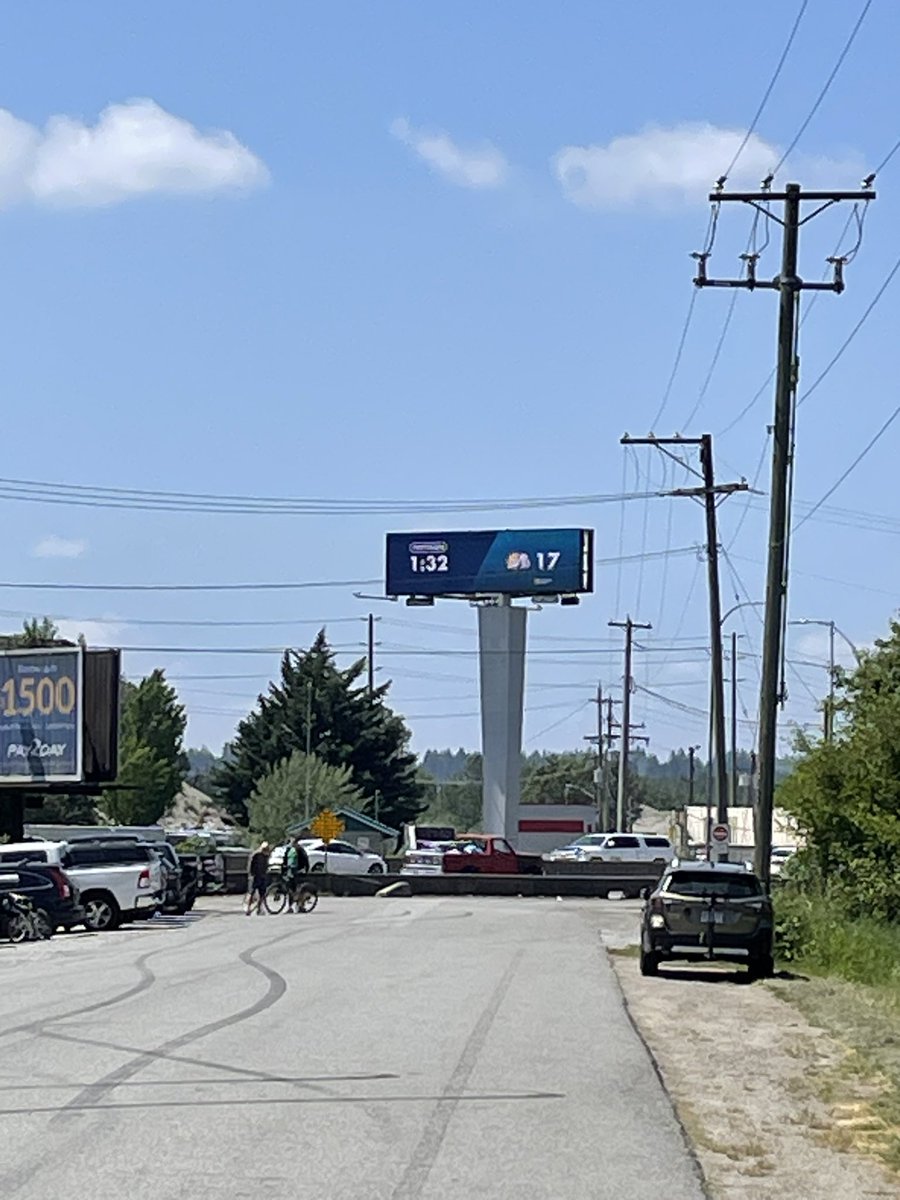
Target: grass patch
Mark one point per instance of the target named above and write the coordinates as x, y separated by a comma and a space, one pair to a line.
862, 1092
624, 951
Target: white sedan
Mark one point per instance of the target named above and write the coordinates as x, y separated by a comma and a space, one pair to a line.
340, 858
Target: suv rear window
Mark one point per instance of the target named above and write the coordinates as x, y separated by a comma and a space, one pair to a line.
80, 855
10, 856
658, 841
709, 883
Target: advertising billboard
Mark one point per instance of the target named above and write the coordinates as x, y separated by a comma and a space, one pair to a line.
41, 712
507, 562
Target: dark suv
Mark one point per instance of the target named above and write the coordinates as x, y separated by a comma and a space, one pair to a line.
708, 911
47, 887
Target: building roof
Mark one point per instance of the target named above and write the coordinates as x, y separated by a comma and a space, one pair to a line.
356, 818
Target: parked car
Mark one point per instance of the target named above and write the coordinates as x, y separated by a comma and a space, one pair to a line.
616, 847
708, 911
341, 858
781, 856
48, 888
116, 882
180, 882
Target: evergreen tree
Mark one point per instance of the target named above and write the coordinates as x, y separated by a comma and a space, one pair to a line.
317, 705
152, 762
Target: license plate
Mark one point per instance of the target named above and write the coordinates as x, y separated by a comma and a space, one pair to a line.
712, 917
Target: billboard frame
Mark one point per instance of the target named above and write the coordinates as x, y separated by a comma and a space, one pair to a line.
586, 584
37, 783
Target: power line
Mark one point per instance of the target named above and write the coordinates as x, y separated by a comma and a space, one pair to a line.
768, 92
677, 363
90, 496
862, 454
828, 82
190, 587
562, 721
853, 332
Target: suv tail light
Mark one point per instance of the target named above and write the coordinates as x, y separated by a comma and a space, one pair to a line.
63, 887
144, 878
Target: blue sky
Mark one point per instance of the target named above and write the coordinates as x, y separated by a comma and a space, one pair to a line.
351, 251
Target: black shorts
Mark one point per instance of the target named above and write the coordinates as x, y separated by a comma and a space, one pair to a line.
257, 884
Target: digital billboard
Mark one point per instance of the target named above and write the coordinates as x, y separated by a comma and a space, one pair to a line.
508, 562
41, 713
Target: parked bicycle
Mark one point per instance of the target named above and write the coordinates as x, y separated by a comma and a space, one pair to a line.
280, 894
20, 921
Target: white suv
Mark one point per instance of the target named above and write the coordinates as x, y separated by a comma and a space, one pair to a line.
616, 847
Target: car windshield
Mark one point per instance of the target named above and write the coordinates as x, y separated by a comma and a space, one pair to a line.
590, 839
708, 883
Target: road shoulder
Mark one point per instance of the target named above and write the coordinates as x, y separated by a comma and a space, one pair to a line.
738, 1063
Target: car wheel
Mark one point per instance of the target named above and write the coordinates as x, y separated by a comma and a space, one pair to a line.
101, 913
761, 967
317, 869
376, 869
649, 962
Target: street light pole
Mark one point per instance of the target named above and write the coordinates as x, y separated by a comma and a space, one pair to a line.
829, 703
734, 776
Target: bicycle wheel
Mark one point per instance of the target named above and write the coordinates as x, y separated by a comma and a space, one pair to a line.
276, 897
307, 899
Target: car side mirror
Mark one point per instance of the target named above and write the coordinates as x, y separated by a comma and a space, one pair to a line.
645, 893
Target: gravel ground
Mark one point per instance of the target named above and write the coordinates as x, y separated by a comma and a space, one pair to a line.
740, 1065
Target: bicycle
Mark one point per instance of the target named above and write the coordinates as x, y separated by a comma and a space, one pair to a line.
279, 894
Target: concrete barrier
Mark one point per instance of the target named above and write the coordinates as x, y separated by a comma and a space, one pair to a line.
594, 885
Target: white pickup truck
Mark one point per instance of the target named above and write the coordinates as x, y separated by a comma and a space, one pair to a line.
114, 883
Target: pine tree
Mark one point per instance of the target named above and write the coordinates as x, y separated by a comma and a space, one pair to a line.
152, 762
317, 705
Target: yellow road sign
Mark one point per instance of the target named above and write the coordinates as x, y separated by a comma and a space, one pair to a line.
327, 825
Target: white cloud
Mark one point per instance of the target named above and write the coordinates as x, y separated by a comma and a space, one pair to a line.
58, 547
96, 633
673, 165
135, 148
482, 166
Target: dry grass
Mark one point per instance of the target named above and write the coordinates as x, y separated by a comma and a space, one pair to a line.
862, 1092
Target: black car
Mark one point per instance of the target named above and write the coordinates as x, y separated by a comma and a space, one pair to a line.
47, 887
181, 879
707, 911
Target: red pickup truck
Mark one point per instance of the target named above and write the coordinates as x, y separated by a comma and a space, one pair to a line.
484, 854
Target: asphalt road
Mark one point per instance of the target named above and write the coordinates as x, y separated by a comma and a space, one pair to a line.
380, 1049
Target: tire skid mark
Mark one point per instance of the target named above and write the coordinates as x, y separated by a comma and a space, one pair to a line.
424, 1156
94, 1093
146, 980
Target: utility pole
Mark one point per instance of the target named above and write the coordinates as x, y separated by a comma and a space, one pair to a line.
599, 793
829, 710
709, 494
309, 695
607, 781
370, 661
734, 693
789, 285
629, 626
692, 750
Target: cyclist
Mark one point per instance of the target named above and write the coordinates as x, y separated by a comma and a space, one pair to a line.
296, 867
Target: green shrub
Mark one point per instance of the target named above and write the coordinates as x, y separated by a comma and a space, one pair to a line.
816, 930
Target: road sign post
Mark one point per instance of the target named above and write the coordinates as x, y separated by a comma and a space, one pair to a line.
719, 842
327, 825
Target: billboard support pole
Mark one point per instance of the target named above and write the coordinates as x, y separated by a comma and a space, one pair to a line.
501, 651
